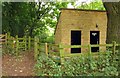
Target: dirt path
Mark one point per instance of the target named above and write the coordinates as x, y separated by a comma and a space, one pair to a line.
23, 66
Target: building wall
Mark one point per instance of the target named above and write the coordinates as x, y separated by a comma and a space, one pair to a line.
81, 20
58, 31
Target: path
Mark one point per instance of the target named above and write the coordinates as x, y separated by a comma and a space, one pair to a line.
23, 66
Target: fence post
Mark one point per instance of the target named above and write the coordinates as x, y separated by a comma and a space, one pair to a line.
89, 48
114, 47
89, 55
29, 44
46, 49
13, 41
36, 40
61, 53
17, 44
25, 43
6, 38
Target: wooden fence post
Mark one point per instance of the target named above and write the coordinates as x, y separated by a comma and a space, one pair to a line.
29, 44
17, 45
9, 39
6, 38
25, 42
13, 41
89, 55
89, 48
36, 41
46, 49
61, 53
35, 47
114, 47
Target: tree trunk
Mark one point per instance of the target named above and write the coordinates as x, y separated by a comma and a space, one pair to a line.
113, 25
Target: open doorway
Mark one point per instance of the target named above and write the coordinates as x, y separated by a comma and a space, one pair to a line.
94, 39
75, 40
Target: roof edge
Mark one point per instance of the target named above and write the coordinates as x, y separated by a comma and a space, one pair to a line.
82, 9
57, 23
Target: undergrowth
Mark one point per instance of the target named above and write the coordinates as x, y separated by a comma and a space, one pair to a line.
103, 65
8, 49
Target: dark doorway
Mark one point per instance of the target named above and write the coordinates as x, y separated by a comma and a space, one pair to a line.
94, 39
75, 40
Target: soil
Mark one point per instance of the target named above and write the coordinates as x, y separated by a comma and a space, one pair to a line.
23, 65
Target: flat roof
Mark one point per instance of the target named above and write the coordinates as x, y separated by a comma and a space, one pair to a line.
82, 9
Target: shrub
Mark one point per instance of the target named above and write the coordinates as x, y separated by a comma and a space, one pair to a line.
104, 65
8, 49
47, 67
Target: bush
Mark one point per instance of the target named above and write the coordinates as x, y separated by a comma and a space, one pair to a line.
104, 65
47, 67
50, 39
8, 49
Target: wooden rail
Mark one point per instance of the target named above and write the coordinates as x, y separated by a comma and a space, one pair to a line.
16, 43
62, 55
49, 49
60, 49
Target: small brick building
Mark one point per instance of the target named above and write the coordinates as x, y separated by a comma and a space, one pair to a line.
81, 27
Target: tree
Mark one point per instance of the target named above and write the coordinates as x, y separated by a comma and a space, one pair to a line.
16, 17
94, 5
113, 25
30, 18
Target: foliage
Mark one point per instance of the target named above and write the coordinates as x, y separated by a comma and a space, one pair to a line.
104, 65
15, 17
47, 67
50, 39
94, 5
30, 18
8, 49
34, 18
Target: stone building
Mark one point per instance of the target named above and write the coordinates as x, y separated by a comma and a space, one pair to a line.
81, 27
